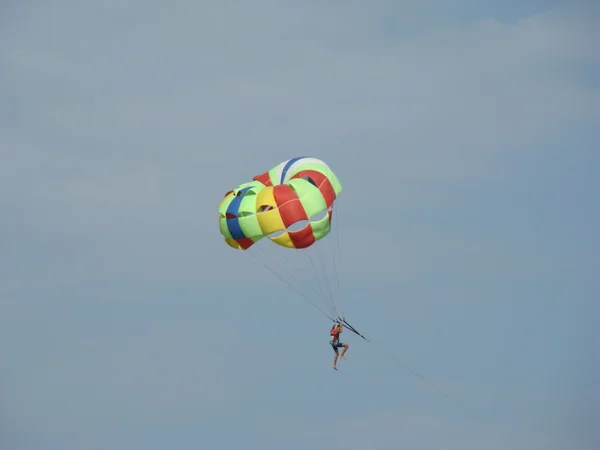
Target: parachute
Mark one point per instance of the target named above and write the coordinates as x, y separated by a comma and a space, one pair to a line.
293, 192
284, 218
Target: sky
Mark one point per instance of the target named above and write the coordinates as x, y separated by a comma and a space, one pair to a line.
466, 137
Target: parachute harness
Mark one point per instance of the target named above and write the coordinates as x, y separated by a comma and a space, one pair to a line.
346, 325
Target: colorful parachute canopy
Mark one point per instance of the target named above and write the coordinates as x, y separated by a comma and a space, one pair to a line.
291, 204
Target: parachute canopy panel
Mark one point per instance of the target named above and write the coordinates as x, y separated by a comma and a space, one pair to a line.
291, 204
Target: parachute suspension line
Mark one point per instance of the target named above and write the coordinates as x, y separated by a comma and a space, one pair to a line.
288, 268
321, 255
316, 287
418, 375
445, 394
336, 255
293, 288
288, 273
325, 270
327, 299
284, 273
351, 328
315, 273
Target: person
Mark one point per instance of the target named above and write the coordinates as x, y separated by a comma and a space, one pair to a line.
335, 342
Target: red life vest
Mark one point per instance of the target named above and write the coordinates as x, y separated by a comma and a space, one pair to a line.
335, 334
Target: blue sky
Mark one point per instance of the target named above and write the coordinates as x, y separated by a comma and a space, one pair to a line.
466, 137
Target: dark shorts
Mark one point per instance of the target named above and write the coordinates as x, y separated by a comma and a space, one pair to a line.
336, 344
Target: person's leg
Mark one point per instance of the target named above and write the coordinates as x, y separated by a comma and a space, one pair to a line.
335, 358
345, 350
